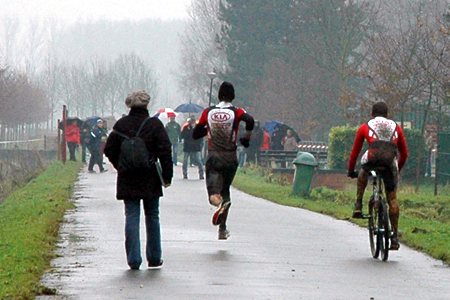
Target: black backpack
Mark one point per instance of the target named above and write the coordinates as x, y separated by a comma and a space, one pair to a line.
133, 152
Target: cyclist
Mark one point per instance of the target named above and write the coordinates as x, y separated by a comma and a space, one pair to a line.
385, 139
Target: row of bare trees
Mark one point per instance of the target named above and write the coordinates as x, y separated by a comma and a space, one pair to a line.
22, 103
98, 88
89, 66
322, 63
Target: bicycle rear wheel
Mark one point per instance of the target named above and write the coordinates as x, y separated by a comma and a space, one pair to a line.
373, 229
385, 231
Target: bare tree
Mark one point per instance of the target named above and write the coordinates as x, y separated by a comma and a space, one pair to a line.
10, 29
200, 51
37, 38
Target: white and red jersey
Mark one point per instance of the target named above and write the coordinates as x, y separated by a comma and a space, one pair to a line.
379, 129
222, 123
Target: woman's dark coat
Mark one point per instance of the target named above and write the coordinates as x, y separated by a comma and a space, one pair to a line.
143, 183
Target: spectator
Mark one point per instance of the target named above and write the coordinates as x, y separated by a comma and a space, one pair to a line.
277, 139
86, 138
72, 138
142, 184
257, 141
191, 148
290, 142
97, 134
266, 140
173, 130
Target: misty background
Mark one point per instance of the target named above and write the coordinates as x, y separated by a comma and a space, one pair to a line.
311, 64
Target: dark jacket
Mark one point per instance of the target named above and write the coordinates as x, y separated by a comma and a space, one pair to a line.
190, 145
276, 141
97, 133
145, 183
256, 139
173, 130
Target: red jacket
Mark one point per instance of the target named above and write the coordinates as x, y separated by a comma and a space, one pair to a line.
377, 129
266, 141
73, 134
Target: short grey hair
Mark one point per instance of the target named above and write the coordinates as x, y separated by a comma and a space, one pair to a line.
138, 99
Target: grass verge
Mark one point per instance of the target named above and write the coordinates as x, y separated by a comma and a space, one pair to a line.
29, 224
424, 218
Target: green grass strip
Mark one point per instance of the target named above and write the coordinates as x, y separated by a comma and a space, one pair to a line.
29, 222
424, 222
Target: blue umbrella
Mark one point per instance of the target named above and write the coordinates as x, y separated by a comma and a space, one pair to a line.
90, 122
270, 126
189, 108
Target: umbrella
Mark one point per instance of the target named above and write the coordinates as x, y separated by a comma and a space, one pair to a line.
270, 126
90, 122
165, 112
69, 120
189, 108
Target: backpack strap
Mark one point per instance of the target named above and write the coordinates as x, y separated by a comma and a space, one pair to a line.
142, 125
121, 134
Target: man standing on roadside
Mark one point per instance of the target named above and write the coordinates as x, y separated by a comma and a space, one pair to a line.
192, 149
220, 124
173, 130
257, 141
97, 134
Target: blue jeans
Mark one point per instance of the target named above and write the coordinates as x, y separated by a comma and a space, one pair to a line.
175, 153
197, 161
242, 157
132, 238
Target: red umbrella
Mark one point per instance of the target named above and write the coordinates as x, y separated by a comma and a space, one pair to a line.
166, 112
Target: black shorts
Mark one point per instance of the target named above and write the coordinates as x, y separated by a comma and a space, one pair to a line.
388, 171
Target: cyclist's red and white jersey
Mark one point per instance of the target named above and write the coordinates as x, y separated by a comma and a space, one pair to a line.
383, 130
222, 123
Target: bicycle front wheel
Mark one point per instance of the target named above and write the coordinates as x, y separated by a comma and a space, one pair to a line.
373, 229
385, 231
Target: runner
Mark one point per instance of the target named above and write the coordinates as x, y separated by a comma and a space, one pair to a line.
220, 124
385, 138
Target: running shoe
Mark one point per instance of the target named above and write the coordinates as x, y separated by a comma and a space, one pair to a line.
223, 207
224, 234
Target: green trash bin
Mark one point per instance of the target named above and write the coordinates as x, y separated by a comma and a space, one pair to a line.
305, 164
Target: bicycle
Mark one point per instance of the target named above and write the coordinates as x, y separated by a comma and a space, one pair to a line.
379, 225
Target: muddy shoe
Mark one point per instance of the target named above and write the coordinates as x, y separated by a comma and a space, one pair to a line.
395, 245
357, 212
224, 234
223, 207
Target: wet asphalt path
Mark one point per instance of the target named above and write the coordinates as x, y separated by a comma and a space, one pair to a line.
274, 252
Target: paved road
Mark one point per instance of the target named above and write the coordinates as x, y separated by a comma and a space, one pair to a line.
274, 252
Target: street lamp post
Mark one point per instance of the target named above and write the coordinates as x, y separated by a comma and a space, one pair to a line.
211, 76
